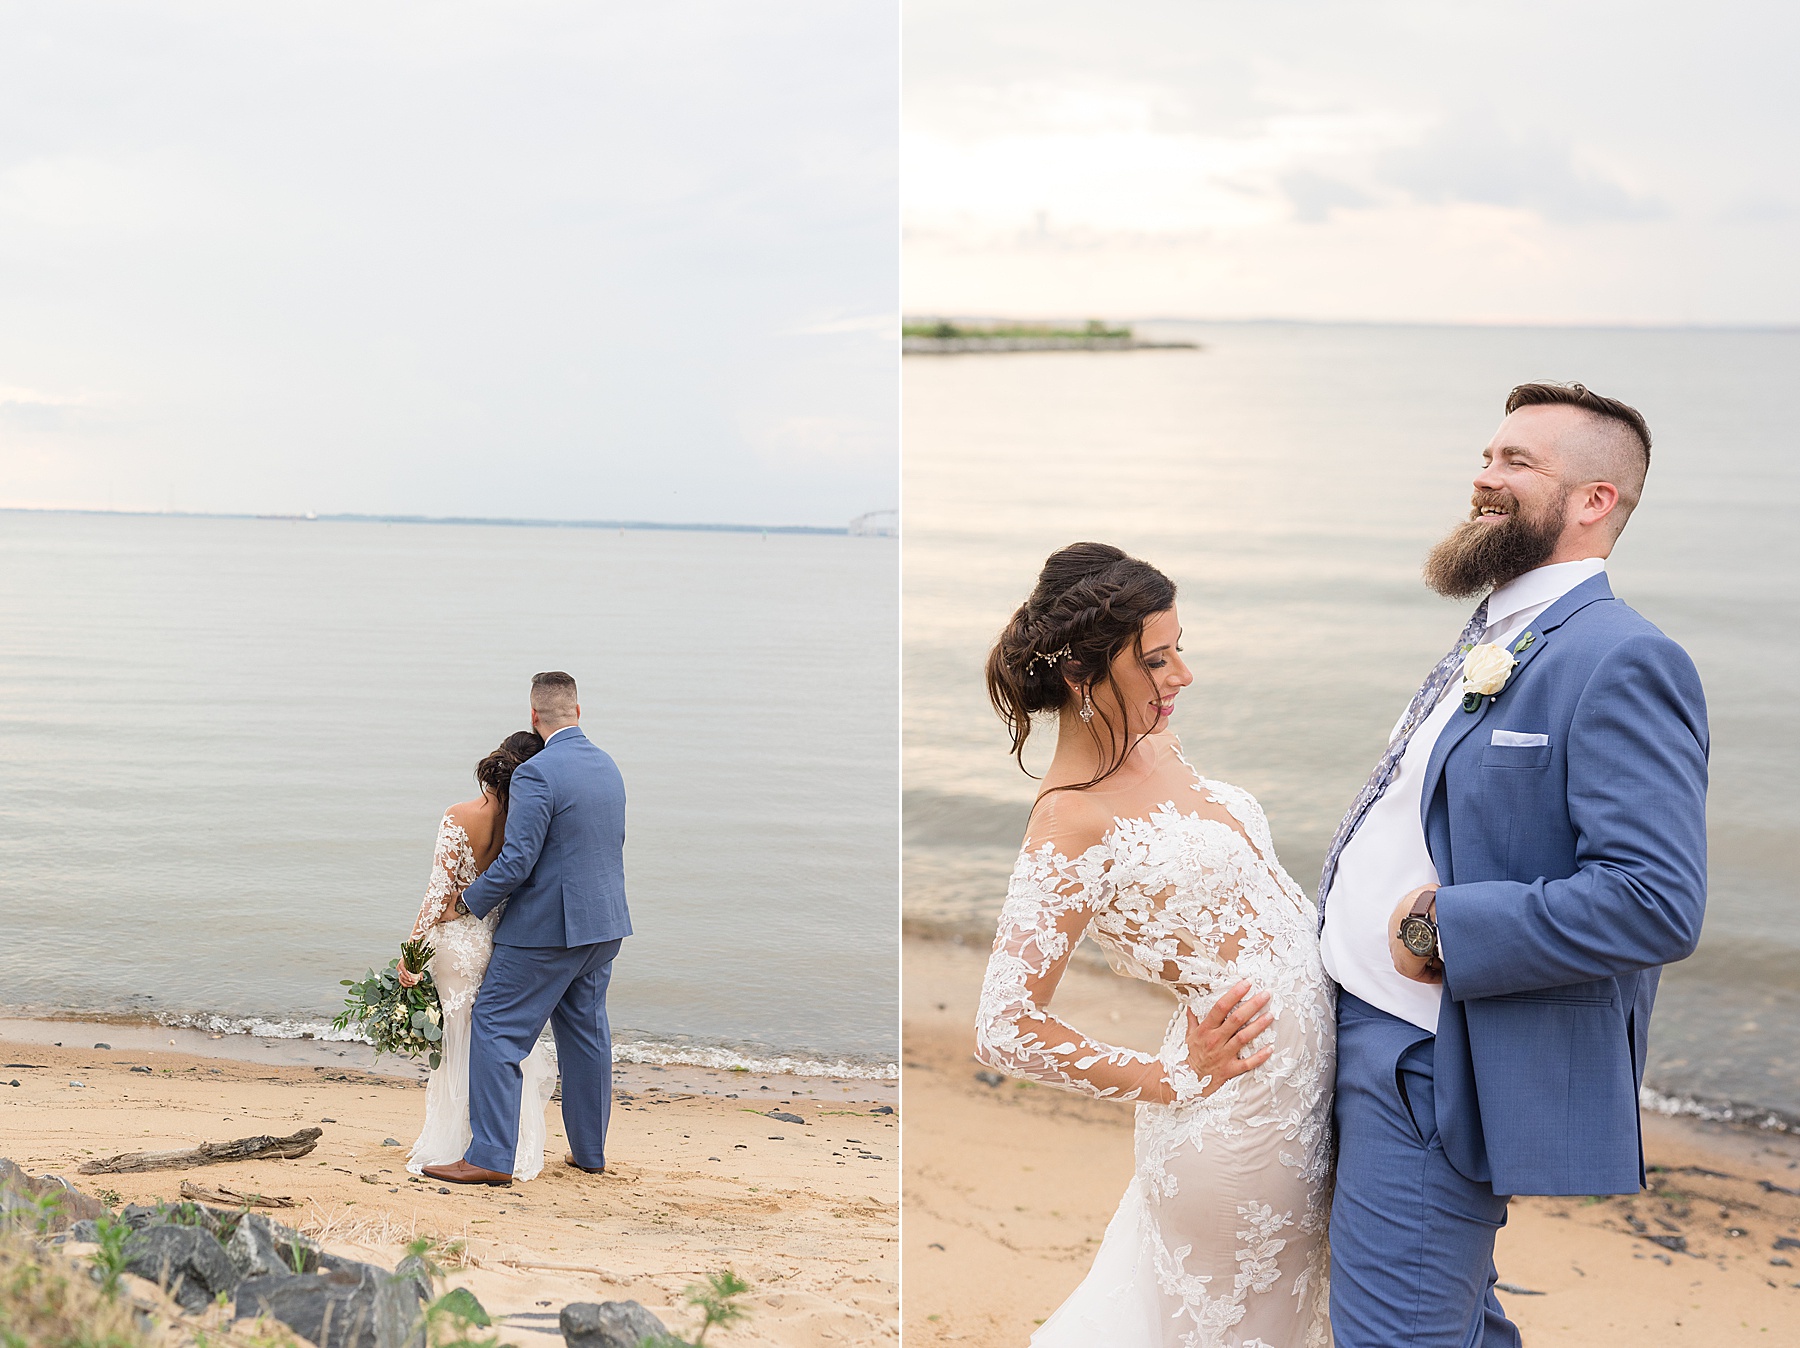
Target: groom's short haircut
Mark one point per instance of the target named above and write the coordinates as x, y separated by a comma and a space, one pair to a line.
1615, 449
553, 696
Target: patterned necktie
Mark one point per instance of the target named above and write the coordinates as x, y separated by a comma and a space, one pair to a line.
1421, 707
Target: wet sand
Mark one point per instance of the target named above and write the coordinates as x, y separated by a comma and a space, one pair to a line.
1008, 1188
699, 1178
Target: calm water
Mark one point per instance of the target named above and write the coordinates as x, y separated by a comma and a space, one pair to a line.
1290, 478
226, 746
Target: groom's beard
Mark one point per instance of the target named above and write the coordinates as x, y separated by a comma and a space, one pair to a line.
1475, 557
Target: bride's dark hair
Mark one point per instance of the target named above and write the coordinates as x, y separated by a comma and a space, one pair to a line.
1091, 601
494, 773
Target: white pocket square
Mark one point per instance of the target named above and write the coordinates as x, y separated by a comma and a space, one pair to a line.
1517, 740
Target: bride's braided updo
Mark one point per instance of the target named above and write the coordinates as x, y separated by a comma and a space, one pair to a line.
1091, 602
494, 773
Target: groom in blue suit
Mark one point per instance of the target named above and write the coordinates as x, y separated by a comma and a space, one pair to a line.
563, 868
1499, 902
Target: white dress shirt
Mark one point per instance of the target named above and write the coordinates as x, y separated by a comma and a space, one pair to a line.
1387, 859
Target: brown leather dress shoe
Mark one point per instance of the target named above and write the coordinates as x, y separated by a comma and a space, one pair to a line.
461, 1172
569, 1159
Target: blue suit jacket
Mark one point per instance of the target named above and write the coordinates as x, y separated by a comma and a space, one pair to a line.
563, 863
1572, 872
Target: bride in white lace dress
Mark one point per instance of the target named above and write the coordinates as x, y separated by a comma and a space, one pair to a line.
469, 838
1220, 1240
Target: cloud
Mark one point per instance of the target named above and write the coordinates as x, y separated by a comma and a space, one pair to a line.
802, 441
1474, 160
1399, 160
11, 395
423, 259
1314, 196
882, 325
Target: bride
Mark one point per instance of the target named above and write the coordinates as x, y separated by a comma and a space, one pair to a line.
469, 838
1220, 1240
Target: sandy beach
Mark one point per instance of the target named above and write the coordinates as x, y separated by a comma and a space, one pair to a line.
1008, 1188
699, 1179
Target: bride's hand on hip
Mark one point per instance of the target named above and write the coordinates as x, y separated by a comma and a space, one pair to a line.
1216, 1043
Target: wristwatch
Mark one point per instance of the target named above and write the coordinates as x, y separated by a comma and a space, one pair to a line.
1418, 930
462, 910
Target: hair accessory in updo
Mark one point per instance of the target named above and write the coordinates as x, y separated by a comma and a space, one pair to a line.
1089, 606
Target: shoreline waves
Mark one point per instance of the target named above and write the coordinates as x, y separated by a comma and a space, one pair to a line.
298, 1042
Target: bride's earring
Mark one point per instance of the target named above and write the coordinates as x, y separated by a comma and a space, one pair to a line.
1087, 707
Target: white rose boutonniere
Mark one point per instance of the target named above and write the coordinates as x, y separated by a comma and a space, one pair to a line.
1485, 672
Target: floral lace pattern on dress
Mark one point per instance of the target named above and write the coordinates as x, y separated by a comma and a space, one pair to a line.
466, 943
1187, 901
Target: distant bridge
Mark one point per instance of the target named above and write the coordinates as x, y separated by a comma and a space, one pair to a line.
876, 524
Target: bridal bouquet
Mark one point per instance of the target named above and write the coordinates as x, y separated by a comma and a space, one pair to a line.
393, 1017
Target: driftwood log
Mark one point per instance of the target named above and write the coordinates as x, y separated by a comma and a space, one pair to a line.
262, 1148
231, 1198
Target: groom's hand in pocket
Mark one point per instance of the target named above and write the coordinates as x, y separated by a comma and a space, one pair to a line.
1216, 1043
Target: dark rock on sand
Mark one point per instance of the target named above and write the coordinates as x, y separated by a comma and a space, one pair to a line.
19, 1190
186, 1260
348, 1305
782, 1116
608, 1324
261, 1246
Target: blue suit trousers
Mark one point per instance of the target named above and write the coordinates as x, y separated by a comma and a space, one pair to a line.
525, 988
1412, 1240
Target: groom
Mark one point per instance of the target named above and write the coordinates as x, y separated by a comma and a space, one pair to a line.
563, 868
1500, 899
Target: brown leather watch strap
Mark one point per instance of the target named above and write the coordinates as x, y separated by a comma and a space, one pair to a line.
1423, 903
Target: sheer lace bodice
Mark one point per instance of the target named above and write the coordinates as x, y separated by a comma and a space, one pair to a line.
462, 947
1231, 1194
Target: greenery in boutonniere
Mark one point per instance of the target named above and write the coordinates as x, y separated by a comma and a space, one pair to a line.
1524, 643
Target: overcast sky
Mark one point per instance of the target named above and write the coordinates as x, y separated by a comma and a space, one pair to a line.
531, 259
1578, 161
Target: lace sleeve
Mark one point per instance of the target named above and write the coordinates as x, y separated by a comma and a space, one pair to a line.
441, 893
1050, 902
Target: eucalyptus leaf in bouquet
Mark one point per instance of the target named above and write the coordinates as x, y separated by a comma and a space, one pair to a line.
393, 1017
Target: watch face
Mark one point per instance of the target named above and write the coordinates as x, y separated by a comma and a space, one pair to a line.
1418, 936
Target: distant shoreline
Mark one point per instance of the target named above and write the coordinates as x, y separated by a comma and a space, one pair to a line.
655, 526
945, 337
959, 346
